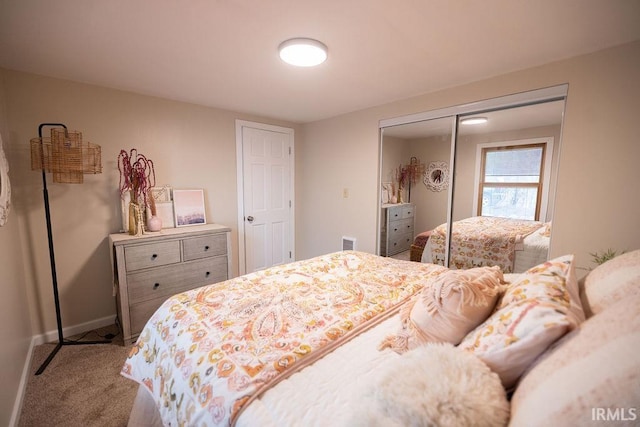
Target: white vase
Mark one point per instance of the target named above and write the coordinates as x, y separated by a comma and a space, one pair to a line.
154, 223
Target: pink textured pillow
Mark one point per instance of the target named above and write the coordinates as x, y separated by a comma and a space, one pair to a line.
447, 308
612, 281
539, 307
595, 367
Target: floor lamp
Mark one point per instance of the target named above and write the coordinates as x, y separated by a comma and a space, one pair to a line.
68, 158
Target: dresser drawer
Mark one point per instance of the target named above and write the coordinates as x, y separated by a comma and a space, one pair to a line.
407, 211
205, 272
394, 213
138, 257
399, 243
147, 291
204, 246
170, 280
403, 226
158, 282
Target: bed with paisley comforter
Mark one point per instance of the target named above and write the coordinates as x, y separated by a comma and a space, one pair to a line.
228, 353
512, 244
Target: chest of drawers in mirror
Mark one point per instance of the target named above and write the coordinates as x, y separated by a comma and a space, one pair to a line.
396, 234
150, 268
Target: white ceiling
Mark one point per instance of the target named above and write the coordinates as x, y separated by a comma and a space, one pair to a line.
222, 53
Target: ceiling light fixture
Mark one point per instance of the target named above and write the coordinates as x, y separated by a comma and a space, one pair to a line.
474, 121
303, 52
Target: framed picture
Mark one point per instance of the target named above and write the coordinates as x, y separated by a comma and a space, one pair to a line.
164, 205
387, 192
188, 207
165, 213
436, 177
161, 194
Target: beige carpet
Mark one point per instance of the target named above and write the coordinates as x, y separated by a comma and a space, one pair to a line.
406, 256
82, 385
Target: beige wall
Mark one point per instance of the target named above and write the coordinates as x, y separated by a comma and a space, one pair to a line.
431, 206
394, 153
15, 328
597, 205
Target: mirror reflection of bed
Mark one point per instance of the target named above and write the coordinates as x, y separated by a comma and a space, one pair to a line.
512, 244
500, 201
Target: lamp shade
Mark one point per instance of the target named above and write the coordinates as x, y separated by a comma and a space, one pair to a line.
66, 156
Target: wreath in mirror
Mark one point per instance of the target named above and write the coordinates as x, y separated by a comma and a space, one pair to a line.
436, 177
5, 187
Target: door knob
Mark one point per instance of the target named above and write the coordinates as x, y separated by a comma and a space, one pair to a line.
250, 218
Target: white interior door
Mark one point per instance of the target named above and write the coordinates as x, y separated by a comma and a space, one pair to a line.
265, 195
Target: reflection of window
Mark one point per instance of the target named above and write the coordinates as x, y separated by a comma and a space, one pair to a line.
511, 181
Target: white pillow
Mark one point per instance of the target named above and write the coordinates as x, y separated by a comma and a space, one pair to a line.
538, 308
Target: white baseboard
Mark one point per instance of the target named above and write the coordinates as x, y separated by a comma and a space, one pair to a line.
74, 330
17, 405
44, 338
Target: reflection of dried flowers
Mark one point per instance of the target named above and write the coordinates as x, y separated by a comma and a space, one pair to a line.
152, 203
137, 175
415, 170
409, 173
402, 176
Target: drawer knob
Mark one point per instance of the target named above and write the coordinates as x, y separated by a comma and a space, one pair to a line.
154, 256
156, 285
207, 274
206, 248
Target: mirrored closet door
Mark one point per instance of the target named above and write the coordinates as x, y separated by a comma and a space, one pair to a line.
408, 149
485, 190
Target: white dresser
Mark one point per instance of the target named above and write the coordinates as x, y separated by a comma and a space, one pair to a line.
150, 268
397, 222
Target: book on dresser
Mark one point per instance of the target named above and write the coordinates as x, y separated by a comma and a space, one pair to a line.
150, 268
397, 222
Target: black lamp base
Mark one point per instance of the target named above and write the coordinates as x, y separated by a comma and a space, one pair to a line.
59, 346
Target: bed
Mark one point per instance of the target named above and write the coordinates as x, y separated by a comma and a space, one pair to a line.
513, 245
228, 353
322, 342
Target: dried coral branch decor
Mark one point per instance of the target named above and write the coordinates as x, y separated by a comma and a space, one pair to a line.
402, 176
137, 176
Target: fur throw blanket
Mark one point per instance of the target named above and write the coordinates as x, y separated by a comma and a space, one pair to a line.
434, 385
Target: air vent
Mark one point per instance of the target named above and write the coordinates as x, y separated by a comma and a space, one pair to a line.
348, 243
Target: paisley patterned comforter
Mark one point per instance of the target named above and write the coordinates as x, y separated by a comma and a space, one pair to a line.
207, 353
481, 241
